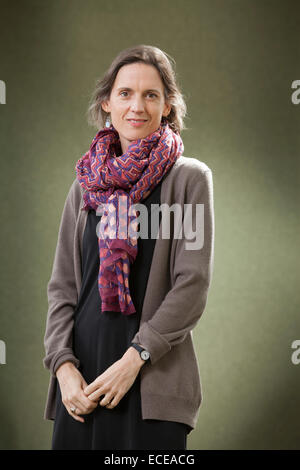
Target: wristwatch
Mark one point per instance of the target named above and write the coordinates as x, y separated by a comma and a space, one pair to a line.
144, 354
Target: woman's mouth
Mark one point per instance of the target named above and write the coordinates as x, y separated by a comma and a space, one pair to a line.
136, 122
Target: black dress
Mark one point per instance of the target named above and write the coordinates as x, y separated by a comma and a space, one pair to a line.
100, 339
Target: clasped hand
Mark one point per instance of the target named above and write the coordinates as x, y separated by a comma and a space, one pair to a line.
115, 381
79, 398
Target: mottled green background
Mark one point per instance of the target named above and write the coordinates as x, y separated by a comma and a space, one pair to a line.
236, 60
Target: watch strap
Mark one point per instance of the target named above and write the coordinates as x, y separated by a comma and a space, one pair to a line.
139, 348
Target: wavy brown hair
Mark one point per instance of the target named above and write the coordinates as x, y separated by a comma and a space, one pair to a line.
150, 55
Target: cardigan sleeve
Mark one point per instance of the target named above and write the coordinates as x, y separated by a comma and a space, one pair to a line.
186, 300
62, 293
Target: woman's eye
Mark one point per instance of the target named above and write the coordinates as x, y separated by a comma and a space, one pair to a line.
125, 94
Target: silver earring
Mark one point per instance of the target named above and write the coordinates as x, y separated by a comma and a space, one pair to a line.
107, 122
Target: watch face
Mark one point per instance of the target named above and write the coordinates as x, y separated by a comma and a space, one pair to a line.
145, 355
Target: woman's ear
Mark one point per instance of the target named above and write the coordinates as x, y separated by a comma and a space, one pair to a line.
105, 106
167, 109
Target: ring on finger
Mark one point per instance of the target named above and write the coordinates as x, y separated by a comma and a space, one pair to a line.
73, 409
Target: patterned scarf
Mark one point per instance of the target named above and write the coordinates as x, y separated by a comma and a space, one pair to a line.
114, 182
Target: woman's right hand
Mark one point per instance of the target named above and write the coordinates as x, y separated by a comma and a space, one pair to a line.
72, 385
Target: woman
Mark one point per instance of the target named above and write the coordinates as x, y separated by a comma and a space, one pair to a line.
122, 307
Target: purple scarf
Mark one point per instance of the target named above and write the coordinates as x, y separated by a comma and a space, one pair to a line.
113, 185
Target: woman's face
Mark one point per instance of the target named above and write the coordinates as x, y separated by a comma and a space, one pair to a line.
136, 102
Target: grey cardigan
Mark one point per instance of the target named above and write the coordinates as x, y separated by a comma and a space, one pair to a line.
175, 299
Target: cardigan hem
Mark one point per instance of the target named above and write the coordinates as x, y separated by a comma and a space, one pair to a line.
170, 408
161, 413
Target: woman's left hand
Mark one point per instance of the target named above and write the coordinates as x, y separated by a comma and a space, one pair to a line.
116, 380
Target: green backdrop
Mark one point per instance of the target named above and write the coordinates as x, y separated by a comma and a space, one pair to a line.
236, 61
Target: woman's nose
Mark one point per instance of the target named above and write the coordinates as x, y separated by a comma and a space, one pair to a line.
137, 104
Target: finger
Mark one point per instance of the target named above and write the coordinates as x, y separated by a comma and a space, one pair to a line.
91, 388
77, 403
77, 418
86, 403
72, 410
114, 402
83, 405
95, 396
106, 400
75, 409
